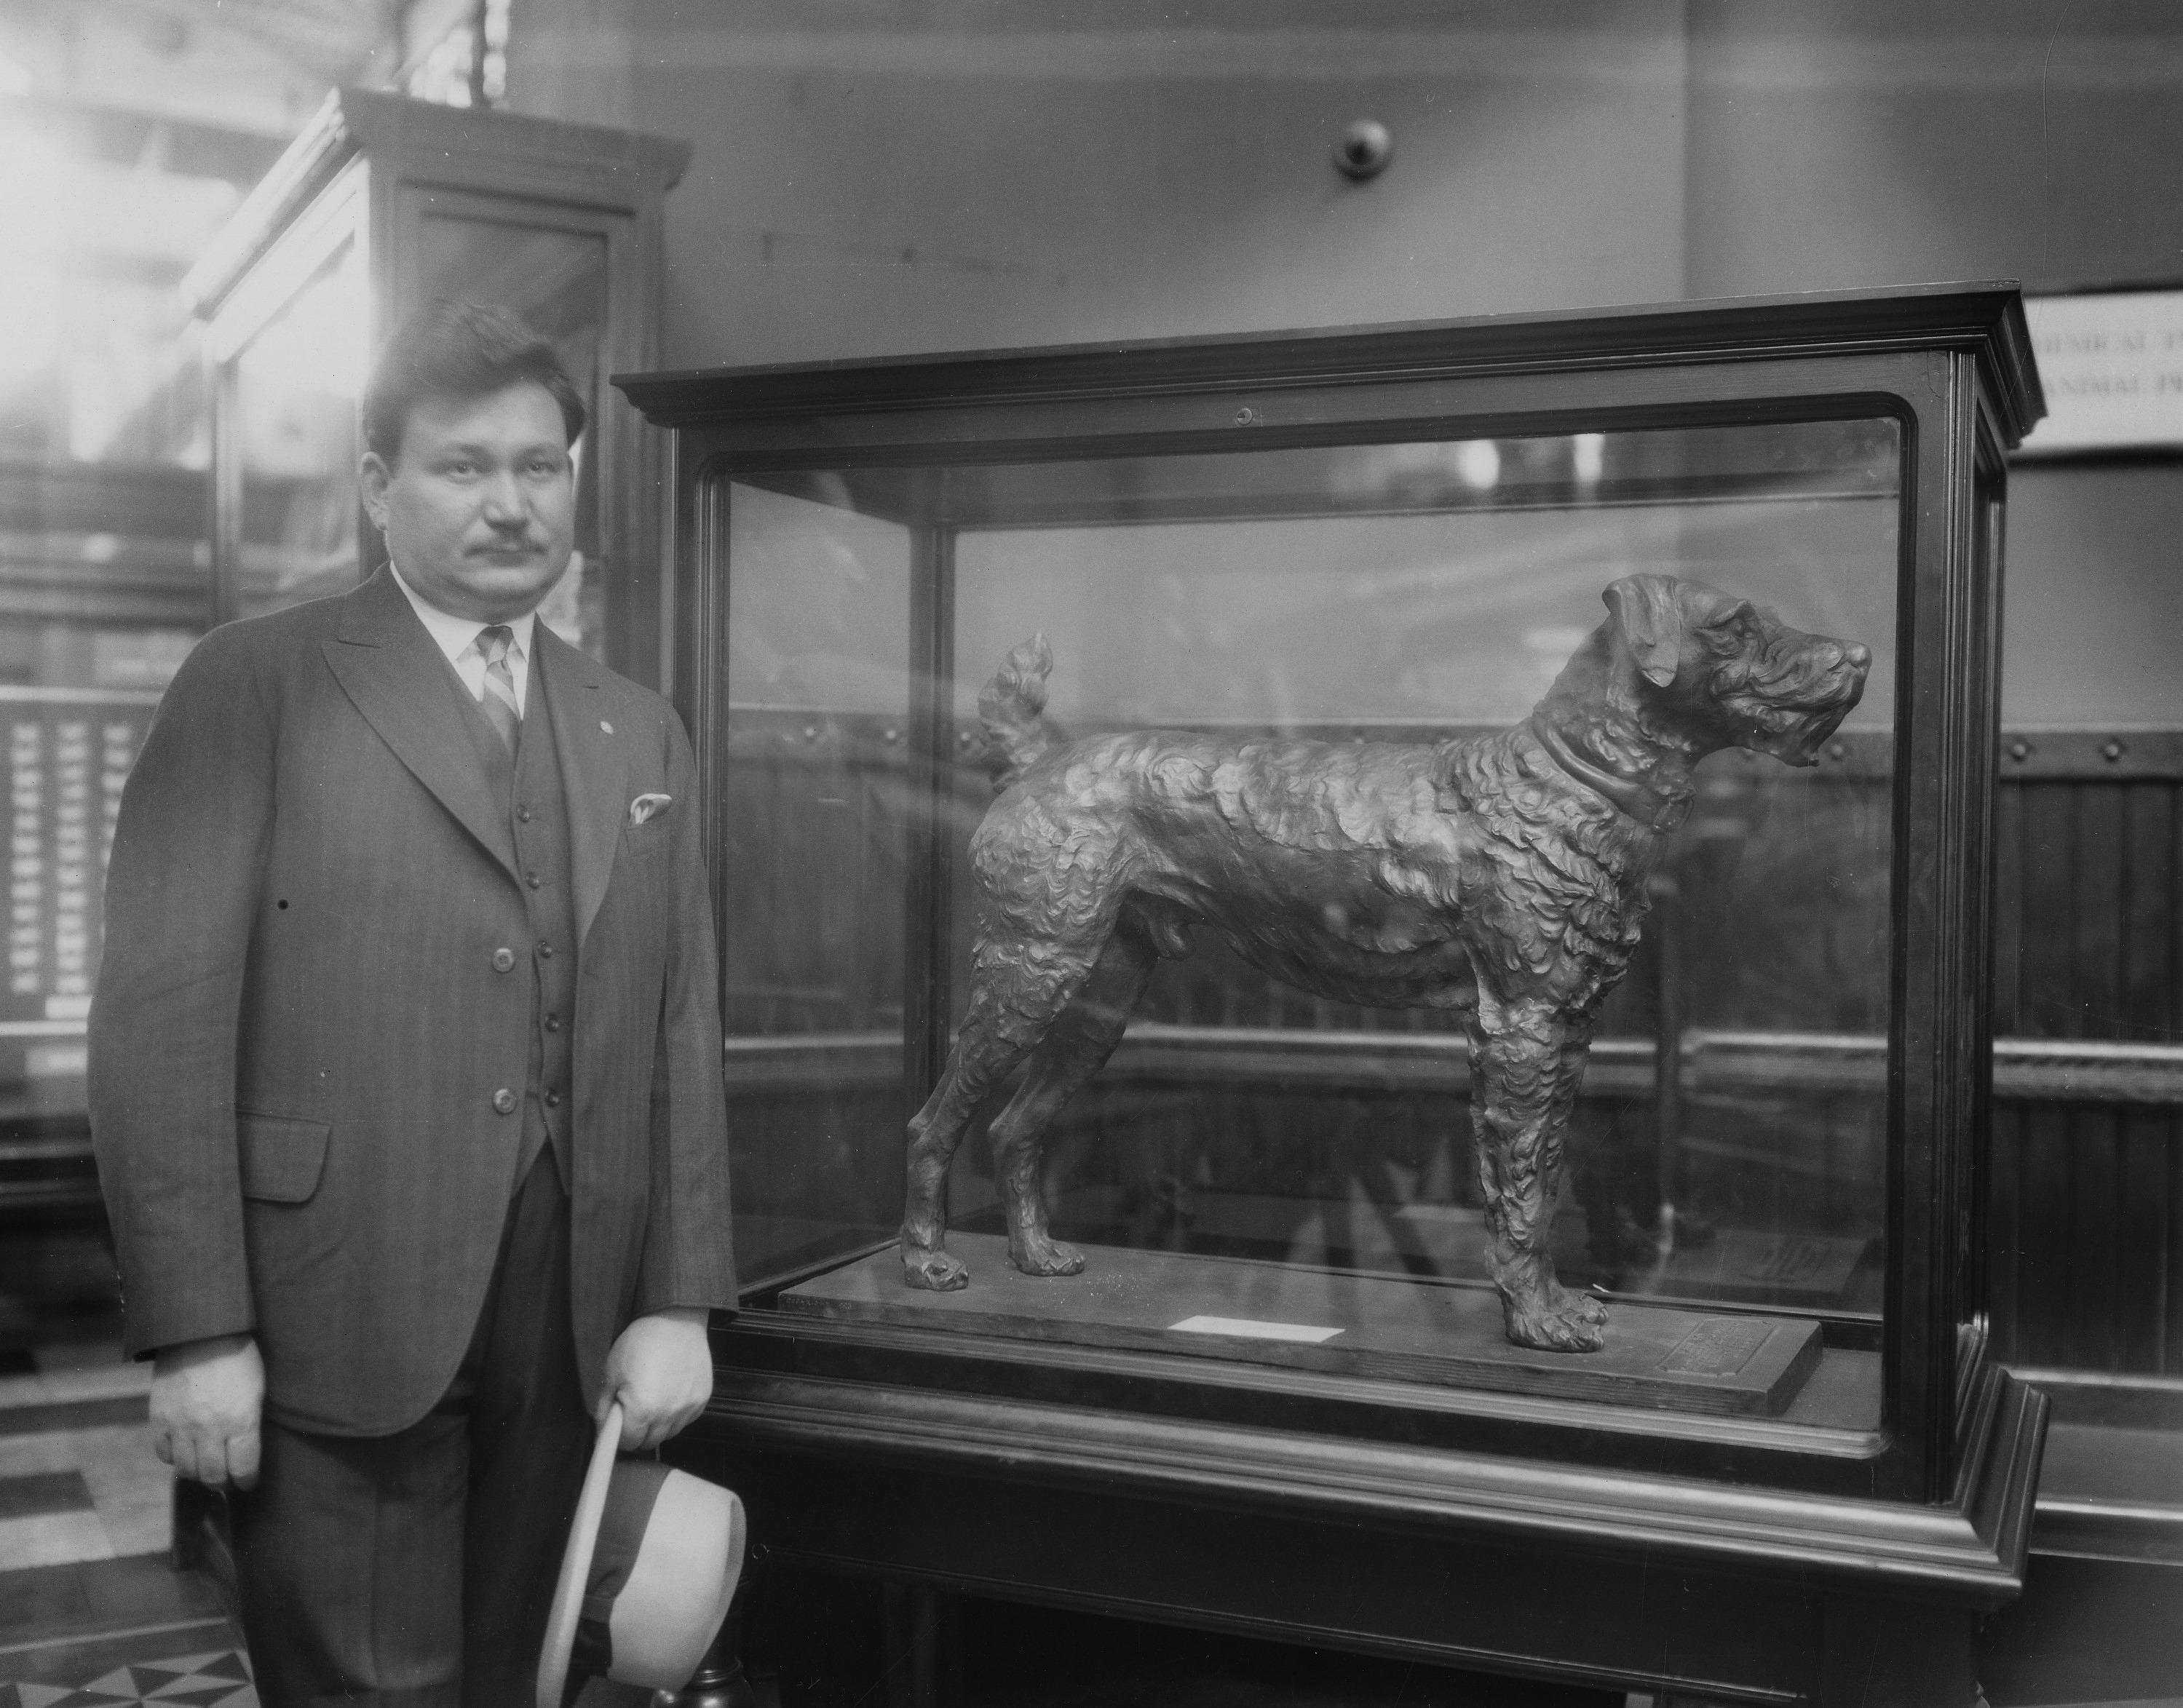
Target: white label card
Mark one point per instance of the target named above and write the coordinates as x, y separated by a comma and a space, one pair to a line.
1251, 1329
2111, 364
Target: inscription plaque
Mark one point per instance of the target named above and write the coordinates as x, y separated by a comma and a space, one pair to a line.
1718, 1346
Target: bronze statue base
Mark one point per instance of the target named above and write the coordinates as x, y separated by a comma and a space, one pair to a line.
1341, 1322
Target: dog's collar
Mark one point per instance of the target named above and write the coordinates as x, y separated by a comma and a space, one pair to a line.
1640, 800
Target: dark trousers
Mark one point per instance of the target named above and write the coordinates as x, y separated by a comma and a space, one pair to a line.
416, 1568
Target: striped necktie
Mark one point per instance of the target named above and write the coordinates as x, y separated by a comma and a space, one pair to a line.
494, 640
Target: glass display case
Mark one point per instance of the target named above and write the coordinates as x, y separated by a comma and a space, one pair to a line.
1418, 890
386, 203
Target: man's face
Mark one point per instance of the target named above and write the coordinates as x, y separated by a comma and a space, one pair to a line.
479, 506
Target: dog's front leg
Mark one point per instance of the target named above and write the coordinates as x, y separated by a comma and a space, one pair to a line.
1527, 1057
983, 1054
935, 1131
1018, 987
1076, 1045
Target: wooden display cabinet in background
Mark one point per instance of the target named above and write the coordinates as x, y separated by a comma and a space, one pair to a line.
384, 204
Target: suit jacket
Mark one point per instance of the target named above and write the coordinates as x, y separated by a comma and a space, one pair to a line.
304, 1015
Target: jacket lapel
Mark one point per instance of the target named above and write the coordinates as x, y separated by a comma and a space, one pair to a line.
388, 665
594, 767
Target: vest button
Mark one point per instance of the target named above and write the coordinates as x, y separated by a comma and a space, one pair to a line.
503, 959
553, 1099
503, 1101
553, 1022
523, 813
545, 951
533, 879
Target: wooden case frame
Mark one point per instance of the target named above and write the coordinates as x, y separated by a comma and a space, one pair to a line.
858, 1443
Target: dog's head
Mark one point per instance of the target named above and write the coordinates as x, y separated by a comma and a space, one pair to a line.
1718, 671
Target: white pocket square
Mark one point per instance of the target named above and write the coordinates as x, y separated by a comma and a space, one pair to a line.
647, 807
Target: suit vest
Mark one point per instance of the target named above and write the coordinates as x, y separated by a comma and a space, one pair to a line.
529, 795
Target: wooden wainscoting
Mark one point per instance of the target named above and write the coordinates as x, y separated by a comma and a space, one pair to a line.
2087, 1246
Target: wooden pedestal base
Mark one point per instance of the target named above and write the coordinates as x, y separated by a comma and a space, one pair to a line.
1672, 1585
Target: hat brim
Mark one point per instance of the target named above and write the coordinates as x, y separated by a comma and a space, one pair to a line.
568, 1605
662, 1595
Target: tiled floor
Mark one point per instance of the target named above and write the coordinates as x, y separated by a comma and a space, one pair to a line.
90, 1609
78, 1480
78, 1626
216, 1677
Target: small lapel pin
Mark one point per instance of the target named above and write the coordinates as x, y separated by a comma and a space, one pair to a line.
647, 807
606, 726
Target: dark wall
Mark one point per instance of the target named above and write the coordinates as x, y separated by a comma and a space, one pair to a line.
1839, 143
2095, 603
887, 177
883, 178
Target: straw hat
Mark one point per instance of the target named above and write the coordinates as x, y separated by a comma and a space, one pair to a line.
652, 1562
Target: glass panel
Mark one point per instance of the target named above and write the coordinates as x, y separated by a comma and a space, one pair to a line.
1290, 1099
297, 385
813, 868
556, 281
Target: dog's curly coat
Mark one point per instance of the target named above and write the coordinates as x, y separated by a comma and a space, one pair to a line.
1503, 876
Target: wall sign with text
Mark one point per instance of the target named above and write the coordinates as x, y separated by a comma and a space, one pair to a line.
68, 753
2112, 364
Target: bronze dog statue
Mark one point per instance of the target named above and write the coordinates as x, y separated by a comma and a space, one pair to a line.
1502, 876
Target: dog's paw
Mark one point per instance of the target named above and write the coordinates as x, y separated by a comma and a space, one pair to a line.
1578, 1326
935, 1271
1584, 1307
1039, 1255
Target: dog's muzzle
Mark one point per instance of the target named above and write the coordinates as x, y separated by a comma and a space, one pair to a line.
1788, 703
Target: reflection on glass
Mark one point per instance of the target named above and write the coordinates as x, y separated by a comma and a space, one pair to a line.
556, 281
814, 839
1730, 1143
104, 577
298, 383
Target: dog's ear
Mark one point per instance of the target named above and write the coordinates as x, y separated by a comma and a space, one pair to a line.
1649, 617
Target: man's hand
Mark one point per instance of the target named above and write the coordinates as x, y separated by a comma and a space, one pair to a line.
206, 1398
660, 1368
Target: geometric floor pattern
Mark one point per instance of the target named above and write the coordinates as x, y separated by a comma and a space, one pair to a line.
221, 1679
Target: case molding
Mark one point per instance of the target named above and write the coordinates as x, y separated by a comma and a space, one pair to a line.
1986, 319
1972, 1549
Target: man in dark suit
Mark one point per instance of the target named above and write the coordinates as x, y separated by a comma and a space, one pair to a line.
406, 1059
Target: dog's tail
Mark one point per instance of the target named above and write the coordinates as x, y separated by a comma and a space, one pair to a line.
1010, 706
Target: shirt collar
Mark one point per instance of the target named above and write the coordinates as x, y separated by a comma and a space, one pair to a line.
457, 635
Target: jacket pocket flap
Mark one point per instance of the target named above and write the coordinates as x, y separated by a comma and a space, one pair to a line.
282, 1156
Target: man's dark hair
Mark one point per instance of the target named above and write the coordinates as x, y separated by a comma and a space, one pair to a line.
463, 350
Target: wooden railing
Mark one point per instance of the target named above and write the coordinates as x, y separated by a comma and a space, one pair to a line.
2026, 1070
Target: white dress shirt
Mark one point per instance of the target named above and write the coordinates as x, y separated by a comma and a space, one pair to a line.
457, 637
